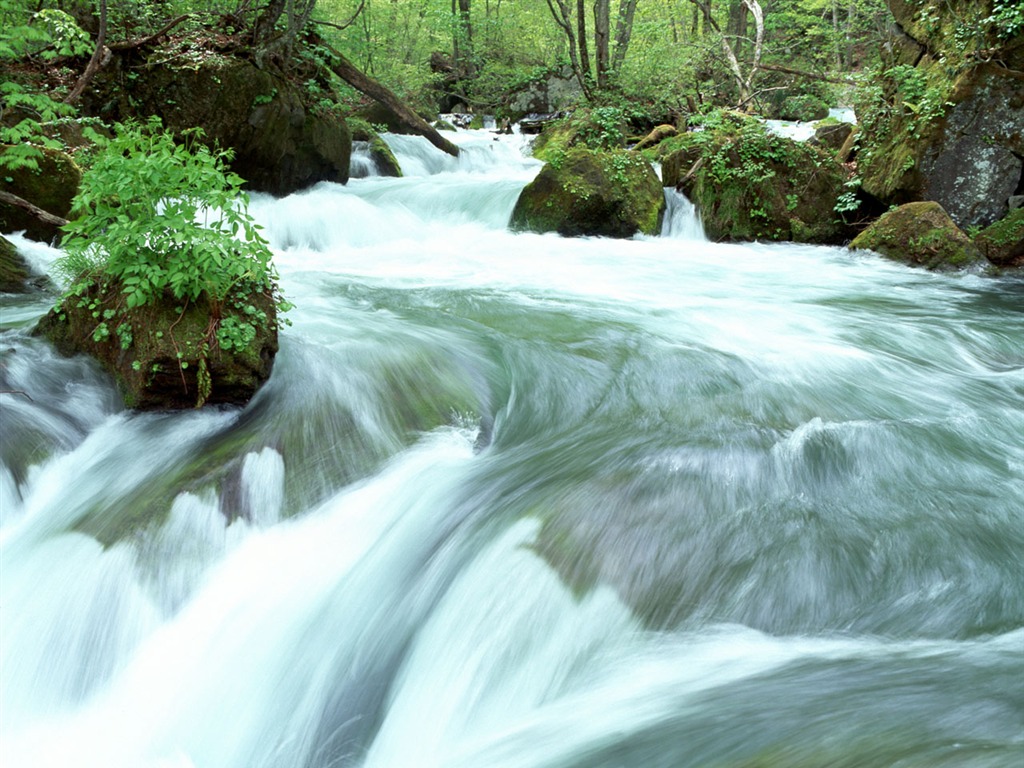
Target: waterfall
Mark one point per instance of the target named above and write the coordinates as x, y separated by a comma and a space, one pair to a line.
524, 501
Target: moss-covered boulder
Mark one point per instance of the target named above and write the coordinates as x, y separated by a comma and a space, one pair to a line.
51, 186
384, 161
14, 272
587, 192
282, 142
921, 234
170, 355
1002, 243
751, 184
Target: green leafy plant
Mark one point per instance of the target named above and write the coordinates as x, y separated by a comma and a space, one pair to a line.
182, 227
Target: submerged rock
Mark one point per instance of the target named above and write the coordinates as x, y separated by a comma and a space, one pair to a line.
586, 192
169, 356
51, 186
921, 234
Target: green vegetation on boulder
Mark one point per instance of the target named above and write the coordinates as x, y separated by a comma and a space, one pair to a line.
173, 290
921, 234
13, 269
51, 186
1002, 243
751, 184
587, 192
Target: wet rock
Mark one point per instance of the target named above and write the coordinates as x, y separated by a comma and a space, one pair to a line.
921, 234
1002, 243
384, 160
587, 192
832, 137
14, 273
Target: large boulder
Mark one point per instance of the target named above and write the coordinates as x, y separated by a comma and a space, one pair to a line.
751, 184
281, 142
1002, 243
51, 185
921, 234
167, 357
588, 192
948, 123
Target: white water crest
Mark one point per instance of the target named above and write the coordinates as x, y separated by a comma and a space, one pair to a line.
523, 501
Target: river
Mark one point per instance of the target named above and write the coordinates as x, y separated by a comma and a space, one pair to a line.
519, 501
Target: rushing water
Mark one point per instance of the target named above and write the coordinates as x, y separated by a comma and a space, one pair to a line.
518, 501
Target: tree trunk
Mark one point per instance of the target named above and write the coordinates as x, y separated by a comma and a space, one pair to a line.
602, 21
581, 35
363, 83
624, 32
563, 18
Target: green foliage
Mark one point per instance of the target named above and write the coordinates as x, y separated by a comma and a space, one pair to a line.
25, 137
181, 228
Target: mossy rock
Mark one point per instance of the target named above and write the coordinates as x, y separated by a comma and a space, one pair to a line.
14, 272
160, 359
602, 128
52, 187
751, 184
1002, 243
384, 159
586, 192
921, 234
281, 143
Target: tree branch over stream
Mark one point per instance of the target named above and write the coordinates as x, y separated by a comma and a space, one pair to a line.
363, 83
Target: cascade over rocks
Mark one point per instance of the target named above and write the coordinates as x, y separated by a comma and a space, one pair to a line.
281, 145
921, 234
588, 192
966, 152
52, 188
161, 362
